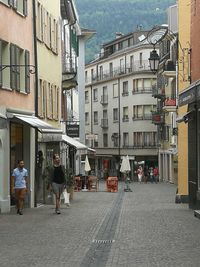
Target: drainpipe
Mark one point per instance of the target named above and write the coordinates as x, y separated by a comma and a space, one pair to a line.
119, 127
36, 97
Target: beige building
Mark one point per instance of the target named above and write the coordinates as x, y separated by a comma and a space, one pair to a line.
184, 81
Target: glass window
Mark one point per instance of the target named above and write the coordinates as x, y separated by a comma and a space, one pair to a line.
86, 97
95, 117
86, 117
125, 139
95, 94
115, 90
105, 140
115, 114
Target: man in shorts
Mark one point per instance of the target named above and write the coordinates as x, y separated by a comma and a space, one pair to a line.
57, 180
19, 185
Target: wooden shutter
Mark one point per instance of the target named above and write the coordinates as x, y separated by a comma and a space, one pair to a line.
17, 56
27, 72
1, 63
12, 68
25, 8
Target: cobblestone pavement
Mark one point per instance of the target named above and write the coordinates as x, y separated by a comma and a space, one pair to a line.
140, 228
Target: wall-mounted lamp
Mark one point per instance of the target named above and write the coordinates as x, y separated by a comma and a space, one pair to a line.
154, 60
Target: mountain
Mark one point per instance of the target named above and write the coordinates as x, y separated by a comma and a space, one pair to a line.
107, 17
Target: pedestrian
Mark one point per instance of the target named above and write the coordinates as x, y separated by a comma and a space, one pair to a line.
151, 174
140, 174
19, 185
57, 180
146, 174
156, 174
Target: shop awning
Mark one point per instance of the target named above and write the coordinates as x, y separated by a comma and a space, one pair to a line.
73, 142
35, 122
2, 116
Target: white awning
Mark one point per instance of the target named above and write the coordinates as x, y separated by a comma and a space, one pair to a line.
34, 122
71, 141
2, 116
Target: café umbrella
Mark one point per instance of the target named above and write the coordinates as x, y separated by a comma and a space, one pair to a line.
87, 169
125, 166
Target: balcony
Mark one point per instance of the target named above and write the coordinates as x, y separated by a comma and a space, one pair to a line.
170, 103
157, 117
119, 71
142, 117
142, 90
104, 123
158, 92
104, 100
69, 71
169, 69
125, 118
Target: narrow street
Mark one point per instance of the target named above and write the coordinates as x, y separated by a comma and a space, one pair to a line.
140, 228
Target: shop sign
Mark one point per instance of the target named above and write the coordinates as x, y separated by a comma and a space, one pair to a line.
72, 130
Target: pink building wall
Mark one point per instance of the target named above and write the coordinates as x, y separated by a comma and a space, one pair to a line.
17, 29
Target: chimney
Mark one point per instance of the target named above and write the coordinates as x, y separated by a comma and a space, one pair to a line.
118, 34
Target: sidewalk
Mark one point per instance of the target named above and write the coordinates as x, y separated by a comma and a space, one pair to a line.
140, 228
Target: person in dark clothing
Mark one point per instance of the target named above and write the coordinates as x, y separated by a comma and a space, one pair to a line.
57, 180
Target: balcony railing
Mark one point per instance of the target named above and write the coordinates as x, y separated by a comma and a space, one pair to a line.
170, 101
142, 90
104, 99
125, 118
142, 117
157, 117
142, 146
118, 71
104, 123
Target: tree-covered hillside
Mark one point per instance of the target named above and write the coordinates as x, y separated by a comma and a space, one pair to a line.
107, 17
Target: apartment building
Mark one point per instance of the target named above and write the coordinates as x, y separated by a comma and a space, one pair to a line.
17, 95
119, 104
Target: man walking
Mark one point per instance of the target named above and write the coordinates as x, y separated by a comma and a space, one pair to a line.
57, 180
19, 185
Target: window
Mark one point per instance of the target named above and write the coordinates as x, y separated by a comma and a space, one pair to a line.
19, 5
131, 62
115, 139
115, 115
105, 140
125, 113
140, 59
122, 70
86, 97
4, 60
87, 118
115, 90
101, 72
95, 94
125, 139
96, 117
138, 139
111, 69
96, 144
125, 88
86, 76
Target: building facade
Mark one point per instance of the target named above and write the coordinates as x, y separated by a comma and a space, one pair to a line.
119, 105
189, 99
17, 95
184, 22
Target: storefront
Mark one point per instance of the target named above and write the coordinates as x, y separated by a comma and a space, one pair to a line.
191, 97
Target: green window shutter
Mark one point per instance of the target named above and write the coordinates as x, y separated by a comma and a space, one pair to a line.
27, 72
17, 55
1, 63
74, 41
25, 8
12, 68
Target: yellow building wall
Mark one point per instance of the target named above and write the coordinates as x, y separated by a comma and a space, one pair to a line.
184, 39
49, 63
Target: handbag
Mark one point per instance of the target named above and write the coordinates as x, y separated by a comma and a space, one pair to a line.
66, 197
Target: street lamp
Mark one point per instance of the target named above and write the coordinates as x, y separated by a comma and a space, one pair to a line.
154, 60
